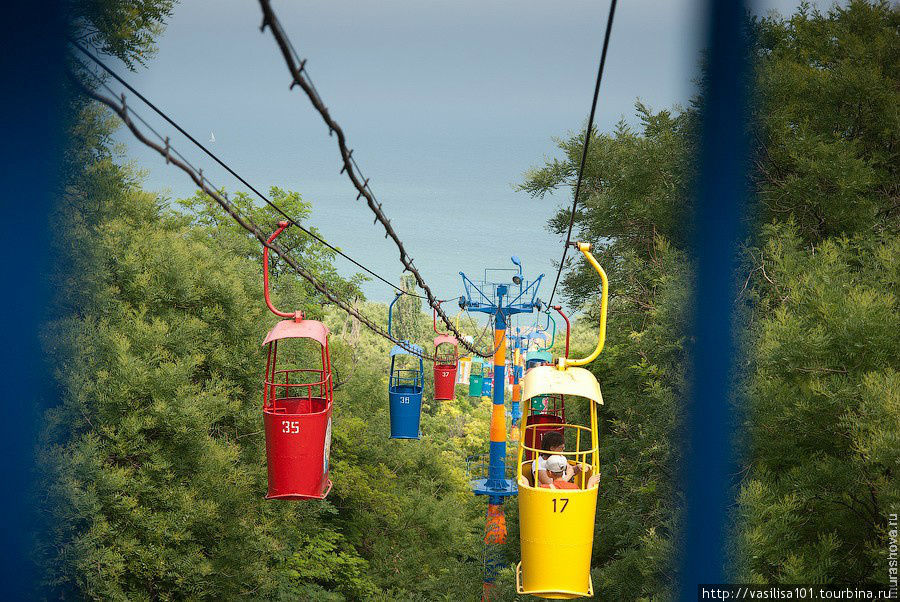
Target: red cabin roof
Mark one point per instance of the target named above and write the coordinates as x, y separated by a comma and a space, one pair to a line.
305, 329
438, 340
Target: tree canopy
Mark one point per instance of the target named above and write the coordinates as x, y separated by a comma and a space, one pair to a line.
152, 456
816, 297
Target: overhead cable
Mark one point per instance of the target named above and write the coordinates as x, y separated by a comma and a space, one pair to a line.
300, 77
165, 150
584, 150
215, 158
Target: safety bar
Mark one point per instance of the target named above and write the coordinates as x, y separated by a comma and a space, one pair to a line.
407, 377
272, 385
446, 359
479, 461
559, 404
579, 455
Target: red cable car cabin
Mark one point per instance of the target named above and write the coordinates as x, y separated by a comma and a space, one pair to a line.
296, 405
297, 415
445, 364
445, 367
551, 418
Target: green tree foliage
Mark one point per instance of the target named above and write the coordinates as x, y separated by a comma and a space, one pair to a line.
822, 415
126, 30
146, 455
635, 192
635, 189
826, 122
824, 420
820, 285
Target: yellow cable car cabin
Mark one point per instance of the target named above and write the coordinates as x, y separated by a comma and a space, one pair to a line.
556, 524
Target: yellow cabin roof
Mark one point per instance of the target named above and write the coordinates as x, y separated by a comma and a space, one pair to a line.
547, 380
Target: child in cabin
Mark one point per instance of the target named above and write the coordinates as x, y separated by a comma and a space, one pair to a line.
558, 468
559, 473
552, 443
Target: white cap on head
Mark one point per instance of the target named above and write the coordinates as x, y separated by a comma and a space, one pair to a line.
556, 463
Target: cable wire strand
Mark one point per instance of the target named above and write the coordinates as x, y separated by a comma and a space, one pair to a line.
297, 68
227, 168
584, 151
172, 156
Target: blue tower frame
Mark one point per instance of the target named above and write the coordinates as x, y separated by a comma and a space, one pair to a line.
501, 300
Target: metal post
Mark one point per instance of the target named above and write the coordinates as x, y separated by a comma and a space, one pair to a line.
516, 410
497, 467
495, 524
496, 486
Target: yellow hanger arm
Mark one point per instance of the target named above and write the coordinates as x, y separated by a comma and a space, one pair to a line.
585, 249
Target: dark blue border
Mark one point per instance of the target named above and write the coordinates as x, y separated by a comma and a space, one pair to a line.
33, 38
721, 198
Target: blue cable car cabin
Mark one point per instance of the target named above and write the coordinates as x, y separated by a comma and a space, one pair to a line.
537, 358
405, 392
405, 384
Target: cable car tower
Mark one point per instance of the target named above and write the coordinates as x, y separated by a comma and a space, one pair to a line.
500, 298
517, 344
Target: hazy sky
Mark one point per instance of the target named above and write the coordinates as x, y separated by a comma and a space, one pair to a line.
445, 103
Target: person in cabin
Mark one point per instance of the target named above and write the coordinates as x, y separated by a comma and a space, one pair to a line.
552, 443
561, 474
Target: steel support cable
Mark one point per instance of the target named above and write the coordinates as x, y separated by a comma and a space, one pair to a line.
197, 176
475, 327
200, 180
227, 168
584, 151
484, 332
477, 340
297, 66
